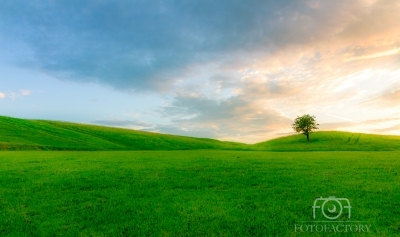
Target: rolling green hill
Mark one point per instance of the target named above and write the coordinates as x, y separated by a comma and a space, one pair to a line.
332, 141
23, 134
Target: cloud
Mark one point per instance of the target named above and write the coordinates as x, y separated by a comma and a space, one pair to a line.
234, 118
371, 125
14, 95
382, 120
25, 92
123, 123
391, 98
388, 98
134, 45
376, 55
387, 129
336, 125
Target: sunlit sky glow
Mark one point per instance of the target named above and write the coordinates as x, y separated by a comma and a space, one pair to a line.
231, 70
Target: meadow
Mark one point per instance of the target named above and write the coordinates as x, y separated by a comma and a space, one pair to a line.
192, 193
23, 134
68, 179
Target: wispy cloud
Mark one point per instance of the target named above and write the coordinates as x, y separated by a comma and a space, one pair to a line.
237, 118
387, 129
14, 95
387, 98
25, 92
342, 118
123, 123
375, 55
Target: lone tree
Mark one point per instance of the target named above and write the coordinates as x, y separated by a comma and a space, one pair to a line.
305, 124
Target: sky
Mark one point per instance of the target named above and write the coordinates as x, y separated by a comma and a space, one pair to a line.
231, 70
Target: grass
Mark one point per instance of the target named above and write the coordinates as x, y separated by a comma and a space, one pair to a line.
22, 134
332, 141
192, 193
91, 180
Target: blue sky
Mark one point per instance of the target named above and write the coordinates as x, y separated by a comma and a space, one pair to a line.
231, 70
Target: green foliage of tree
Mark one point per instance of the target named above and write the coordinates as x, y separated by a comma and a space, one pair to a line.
305, 124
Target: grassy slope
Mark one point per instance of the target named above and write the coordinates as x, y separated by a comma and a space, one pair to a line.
332, 141
22, 134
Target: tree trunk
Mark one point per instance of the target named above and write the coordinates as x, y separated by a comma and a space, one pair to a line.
308, 137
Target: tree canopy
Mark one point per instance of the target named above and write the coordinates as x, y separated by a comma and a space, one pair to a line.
305, 124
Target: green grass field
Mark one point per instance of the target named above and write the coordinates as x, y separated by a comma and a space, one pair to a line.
192, 193
332, 141
23, 134
66, 179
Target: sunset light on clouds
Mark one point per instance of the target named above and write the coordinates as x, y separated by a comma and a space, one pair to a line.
231, 70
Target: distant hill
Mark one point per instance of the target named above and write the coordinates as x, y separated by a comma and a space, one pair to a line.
25, 134
332, 141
